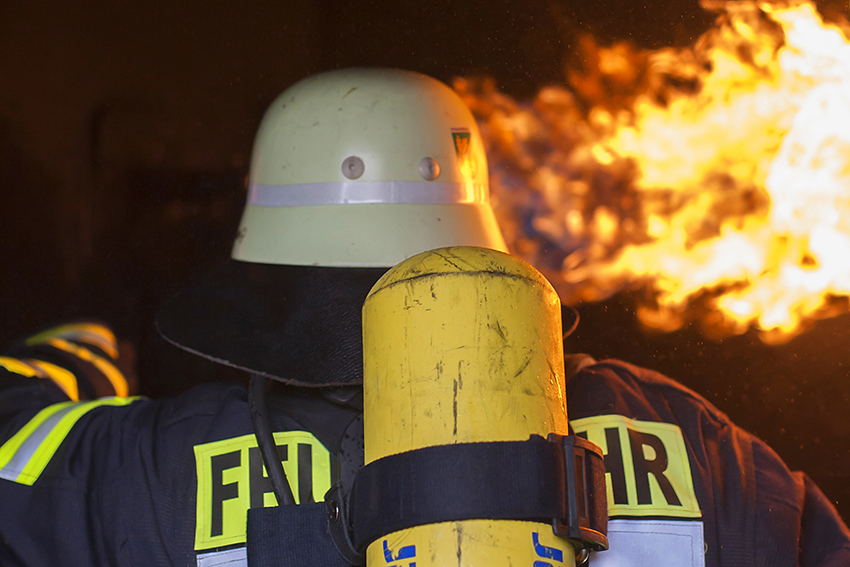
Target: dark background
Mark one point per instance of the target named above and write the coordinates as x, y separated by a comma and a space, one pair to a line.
126, 130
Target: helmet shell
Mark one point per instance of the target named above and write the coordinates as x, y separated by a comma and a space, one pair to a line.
352, 172
365, 167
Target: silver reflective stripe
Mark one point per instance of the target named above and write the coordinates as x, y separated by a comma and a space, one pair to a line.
660, 543
25, 452
230, 558
24, 456
366, 192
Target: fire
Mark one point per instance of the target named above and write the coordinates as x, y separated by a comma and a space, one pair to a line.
718, 176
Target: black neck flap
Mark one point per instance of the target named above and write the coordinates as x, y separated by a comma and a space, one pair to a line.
297, 324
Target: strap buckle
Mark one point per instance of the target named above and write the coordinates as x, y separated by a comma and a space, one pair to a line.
586, 521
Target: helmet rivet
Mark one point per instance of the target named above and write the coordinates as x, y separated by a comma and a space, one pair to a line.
352, 167
429, 168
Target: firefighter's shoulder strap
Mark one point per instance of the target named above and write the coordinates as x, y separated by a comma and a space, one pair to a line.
291, 535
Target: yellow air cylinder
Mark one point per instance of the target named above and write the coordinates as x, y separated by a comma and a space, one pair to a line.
463, 345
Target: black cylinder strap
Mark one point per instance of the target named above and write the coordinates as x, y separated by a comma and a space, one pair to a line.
559, 481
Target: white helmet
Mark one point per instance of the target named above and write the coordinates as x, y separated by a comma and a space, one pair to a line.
365, 167
352, 172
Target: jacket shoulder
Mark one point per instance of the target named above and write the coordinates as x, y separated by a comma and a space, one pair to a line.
615, 386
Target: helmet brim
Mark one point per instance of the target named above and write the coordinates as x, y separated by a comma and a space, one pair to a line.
375, 235
296, 324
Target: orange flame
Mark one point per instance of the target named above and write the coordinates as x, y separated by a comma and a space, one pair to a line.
721, 182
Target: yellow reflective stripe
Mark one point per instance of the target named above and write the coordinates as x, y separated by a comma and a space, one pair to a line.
16, 366
61, 377
32, 368
24, 456
46, 449
119, 383
10, 447
91, 333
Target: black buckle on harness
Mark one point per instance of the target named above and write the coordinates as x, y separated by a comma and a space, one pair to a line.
587, 511
559, 480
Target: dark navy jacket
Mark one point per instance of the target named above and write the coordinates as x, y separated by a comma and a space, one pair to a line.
125, 481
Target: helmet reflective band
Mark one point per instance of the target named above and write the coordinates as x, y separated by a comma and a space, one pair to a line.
365, 167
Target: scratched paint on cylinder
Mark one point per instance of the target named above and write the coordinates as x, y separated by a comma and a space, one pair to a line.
463, 345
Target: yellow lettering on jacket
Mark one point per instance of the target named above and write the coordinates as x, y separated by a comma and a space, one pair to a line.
647, 471
232, 478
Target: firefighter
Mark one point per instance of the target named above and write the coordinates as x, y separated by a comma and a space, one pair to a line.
352, 172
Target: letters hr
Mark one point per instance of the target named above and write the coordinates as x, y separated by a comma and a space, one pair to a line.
259, 483
643, 467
